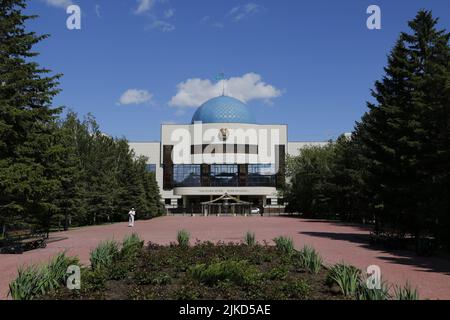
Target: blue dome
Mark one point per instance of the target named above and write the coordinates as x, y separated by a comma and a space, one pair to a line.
223, 109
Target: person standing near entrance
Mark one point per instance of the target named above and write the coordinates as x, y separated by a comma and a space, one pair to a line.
131, 215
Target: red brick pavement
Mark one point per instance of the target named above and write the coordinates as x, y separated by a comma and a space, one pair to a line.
336, 242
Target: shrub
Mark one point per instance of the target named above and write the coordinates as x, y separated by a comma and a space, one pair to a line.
250, 239
93, 280
284, 244
346, 277
104, 255
364, 293
162, 279
239, 272
35, 280
183, 238
277, 273
406, 293
118, 270
131, 245
298, 289
310, 260
147, 278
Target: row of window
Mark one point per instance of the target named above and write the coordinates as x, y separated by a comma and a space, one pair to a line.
224, 175
168, 201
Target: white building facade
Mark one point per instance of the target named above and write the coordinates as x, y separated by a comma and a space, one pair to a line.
221, 154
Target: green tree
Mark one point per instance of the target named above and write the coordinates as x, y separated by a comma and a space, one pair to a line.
404, 135
28, 150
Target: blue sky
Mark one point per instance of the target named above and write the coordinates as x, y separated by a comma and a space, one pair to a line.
138, 63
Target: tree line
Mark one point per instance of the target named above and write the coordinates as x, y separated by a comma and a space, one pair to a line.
58, 171
393, 171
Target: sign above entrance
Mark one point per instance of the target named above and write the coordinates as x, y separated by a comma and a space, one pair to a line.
261, 191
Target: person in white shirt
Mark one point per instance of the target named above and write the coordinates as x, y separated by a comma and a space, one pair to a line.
131, 215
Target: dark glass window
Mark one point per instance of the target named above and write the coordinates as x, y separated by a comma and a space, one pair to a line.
224, 175
168, 201
186, 175
261, 175
151, 167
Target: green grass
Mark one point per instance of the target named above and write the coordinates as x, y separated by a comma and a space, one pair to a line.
405, 293
249, 239
364, 293
285, 245
104, 254
310, 260
239, 272
346, 277
131, 245
183, 238
34, 280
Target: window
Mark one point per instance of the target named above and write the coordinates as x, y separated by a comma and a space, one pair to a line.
262, 175
186, 175
151, 167
168, 201
224, 175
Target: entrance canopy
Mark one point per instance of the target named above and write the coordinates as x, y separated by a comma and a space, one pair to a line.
226, 204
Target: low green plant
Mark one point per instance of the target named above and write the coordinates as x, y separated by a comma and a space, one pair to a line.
277, 273
239, 272
161, 278
104, 255
285, 245
365, 293
346, 277
298, 289
250, 238
27, 283
93, 280
405, 293
119, 270
34, 280
310, 259
183, 238
131, 245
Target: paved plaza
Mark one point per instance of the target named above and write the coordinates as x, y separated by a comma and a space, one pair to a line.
335, 241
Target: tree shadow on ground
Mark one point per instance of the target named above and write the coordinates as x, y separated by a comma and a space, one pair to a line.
360, 226
405, 257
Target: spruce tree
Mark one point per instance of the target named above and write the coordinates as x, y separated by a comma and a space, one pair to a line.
404, 135
28, 151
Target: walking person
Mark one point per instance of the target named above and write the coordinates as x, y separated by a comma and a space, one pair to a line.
131, 215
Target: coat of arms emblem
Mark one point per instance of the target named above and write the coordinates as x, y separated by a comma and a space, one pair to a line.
223, 134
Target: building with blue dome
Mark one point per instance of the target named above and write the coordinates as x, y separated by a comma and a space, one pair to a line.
223, 109
222, 163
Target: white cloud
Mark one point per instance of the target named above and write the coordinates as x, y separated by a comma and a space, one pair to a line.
97, 10
205, 19
218, 25
162, 26
144, 6
135, 96
194, 92
240, 12
169, 13
59, 3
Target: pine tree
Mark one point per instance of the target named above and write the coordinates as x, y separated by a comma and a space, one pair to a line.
403, 136
28, 151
